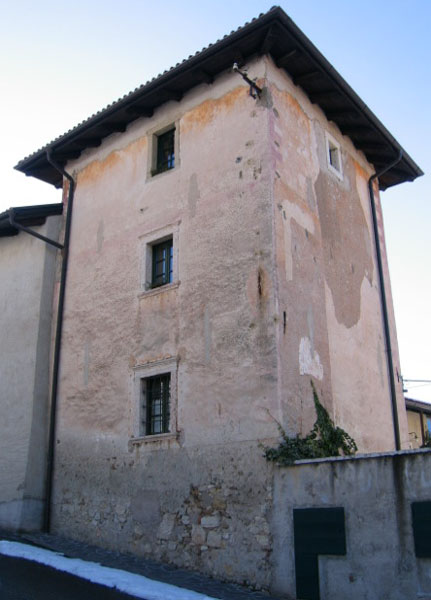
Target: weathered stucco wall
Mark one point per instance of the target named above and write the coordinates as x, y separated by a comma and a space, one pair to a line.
192, 497
376, 493
254, 310
417, 429
27, 268
330, 326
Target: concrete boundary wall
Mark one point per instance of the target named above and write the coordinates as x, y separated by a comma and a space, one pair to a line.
377, 493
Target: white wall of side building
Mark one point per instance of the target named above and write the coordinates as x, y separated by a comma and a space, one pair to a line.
27, 267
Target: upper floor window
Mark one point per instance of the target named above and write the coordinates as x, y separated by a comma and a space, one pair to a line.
159, 269
163, 148
163, 259
165, 151
333, 153
334, 156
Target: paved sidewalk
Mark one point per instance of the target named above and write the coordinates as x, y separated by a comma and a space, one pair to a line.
151, 569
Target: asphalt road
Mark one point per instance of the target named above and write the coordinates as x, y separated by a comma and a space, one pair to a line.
27, 580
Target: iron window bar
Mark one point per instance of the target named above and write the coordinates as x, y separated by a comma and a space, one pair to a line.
157, 404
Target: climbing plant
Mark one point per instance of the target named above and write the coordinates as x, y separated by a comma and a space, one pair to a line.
325, 439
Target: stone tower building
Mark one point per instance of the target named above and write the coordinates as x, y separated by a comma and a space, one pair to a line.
222, 254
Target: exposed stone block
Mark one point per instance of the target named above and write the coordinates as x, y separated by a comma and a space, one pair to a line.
210, 521
214, 539
166, 527
198, 534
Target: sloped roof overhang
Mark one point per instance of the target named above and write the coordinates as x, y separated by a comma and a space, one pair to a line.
29, 216
418, 406
272, 33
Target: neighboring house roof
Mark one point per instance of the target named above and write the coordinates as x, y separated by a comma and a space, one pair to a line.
271, 33
29, 216
418, 406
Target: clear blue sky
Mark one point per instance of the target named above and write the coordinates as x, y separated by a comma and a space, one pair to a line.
61, 62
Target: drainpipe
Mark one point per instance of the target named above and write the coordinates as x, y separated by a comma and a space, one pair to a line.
57, 345
386, 327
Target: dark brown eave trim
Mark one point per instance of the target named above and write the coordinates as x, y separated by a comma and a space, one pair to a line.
273, 33
28, 216
418, 406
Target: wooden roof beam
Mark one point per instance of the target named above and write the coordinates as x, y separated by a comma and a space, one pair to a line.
89, 142
355, 129
117, 127
286, 58
298, 79
237, 56
62, 157
269, 40
334, 114
140, 111
203, 76
173, 95
323, 96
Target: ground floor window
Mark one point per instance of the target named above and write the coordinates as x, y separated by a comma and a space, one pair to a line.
154, 409
156, 401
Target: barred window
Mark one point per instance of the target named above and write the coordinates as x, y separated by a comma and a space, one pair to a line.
156, 399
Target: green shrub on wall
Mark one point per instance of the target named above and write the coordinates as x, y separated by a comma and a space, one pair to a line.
324, 440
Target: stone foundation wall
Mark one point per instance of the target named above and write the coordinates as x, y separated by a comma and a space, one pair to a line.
207, 510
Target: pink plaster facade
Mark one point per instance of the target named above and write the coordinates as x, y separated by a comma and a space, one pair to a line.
274, 284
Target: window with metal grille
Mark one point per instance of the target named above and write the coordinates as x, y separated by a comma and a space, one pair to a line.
156, 392
165, 151
163, 254
334, 156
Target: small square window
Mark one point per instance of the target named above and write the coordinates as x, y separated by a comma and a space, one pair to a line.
155, 404
334, 156
165, 156
163, 258
163, 148
333, 151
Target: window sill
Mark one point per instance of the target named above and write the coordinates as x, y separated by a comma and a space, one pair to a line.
156, 172
149, 439
338, 173
158, 290
154, 175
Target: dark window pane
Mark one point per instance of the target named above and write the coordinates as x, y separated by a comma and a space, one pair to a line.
165, 151
162, 263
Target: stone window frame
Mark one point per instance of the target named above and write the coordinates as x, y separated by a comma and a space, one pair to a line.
153, 135
146, 243
141, 372
333, 148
